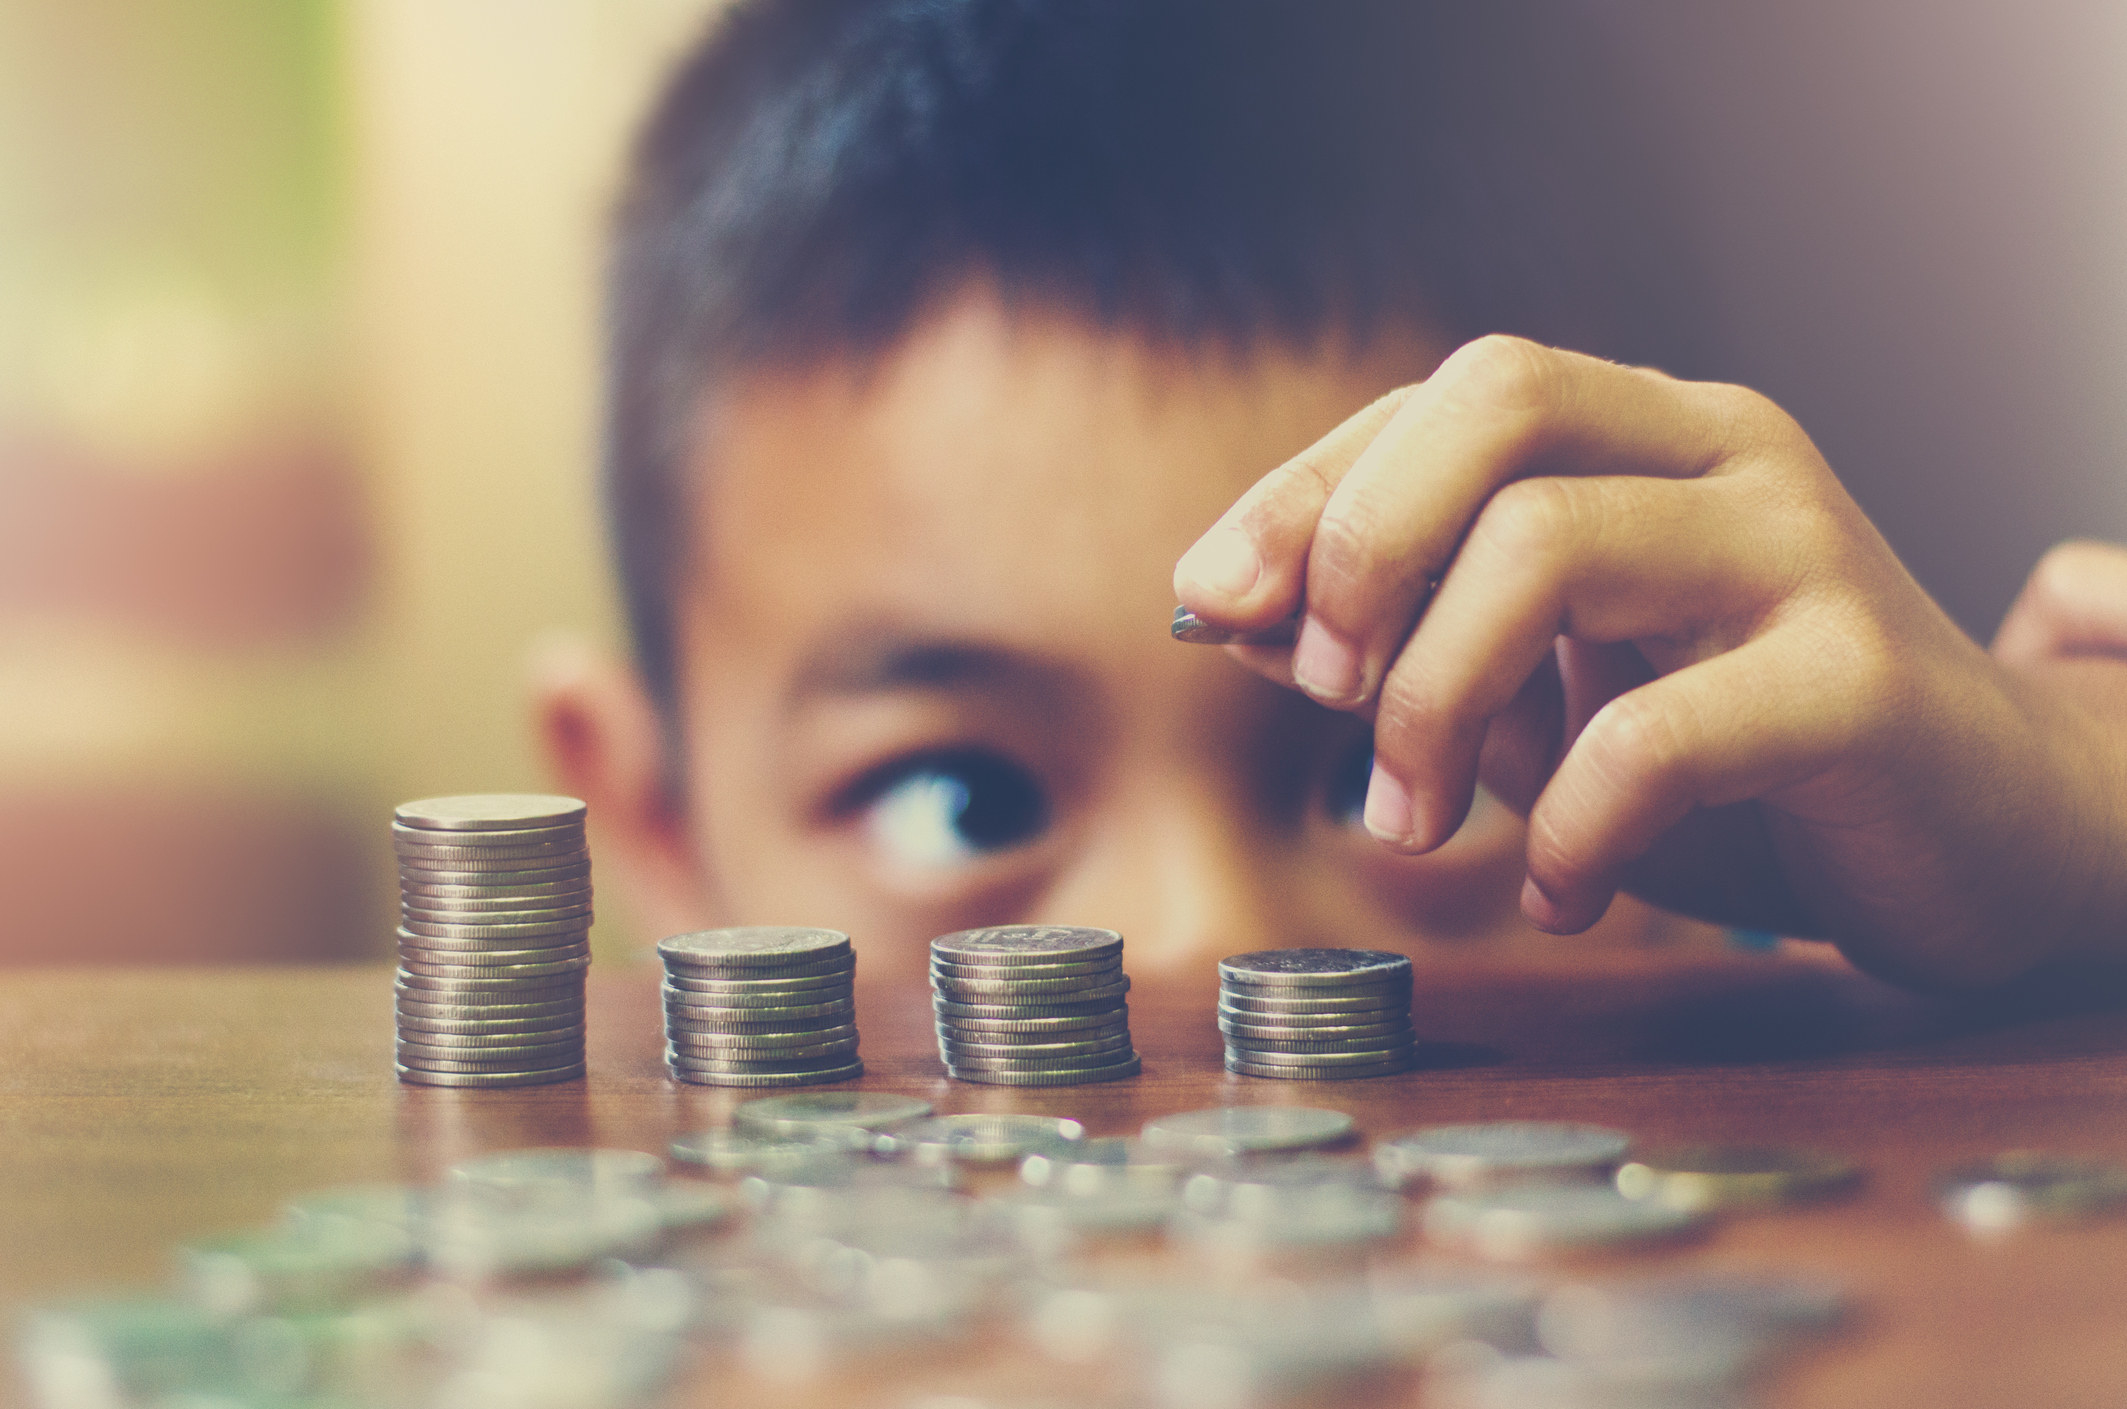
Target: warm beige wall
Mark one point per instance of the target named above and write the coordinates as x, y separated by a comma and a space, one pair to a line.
488, 135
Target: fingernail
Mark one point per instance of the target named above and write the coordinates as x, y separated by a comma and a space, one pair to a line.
1542, 910
1324, 665
1388, 808
1223, 562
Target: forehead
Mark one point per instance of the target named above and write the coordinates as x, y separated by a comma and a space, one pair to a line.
1000, 469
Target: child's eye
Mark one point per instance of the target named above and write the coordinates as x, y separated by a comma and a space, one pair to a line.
945, 810
1345, 797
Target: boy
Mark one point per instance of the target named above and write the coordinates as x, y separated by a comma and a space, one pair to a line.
941, 329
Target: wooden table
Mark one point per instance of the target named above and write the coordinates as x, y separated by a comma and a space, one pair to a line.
143, 1108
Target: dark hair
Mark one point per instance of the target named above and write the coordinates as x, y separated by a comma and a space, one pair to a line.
1196, 171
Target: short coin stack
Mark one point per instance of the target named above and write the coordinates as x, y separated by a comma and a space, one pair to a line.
1317, 1014
1032, 1005
767, 1005
494, 938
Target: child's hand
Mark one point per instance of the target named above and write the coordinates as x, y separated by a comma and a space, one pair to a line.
1646, 612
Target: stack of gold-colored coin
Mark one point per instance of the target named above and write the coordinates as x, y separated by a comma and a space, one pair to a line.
494, 939
766, 1005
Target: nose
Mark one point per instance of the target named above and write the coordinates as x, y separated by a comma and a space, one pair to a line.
1186, 877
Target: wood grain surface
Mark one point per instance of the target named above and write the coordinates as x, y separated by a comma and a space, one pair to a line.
143, 1108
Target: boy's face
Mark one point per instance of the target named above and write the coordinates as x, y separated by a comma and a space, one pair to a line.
926, 679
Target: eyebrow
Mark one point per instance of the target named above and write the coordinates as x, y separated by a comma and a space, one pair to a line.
880, 659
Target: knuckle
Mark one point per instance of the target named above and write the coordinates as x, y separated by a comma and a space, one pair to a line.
2065, 574
1343, 555
1529, 519
1504, 373
1635, 746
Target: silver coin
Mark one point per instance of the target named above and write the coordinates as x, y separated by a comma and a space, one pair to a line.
486, 812
540, 892
492, 952
1065, 1076
1006, 944
1472, 1154
988, 1029
841, 1111
951, 968
759, 1012
1247, 1009
478, 1015
532, 929
1394, 992
1305, 967
1528, 1220
2008, 1191
806, 983
476, 1041
1030, 1061
450, 950
995, 1072
557, 988
1365, 1056
1032, 1051
1301, 1032
498, 837
683, 1044
741, 1151
423, 968
514, 836
1188, 626
416, 1077
422, 1060
414, 875
799, 1030
459, 1049
578, 915
1300, 1052
1236, 1130
484, 859
736, 1042
753, 946
767, 1079
756, 1000
679, 1059
950, 1011
488, 1035
1057, 990
979, 1138
1241, 1066
685, 975
1111, 1162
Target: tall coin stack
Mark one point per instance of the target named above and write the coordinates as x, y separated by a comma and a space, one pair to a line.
766, 1005
1032, 1005
1317, 1014
494, 939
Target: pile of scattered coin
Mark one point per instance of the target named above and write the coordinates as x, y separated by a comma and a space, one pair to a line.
1317, 1014
494, 939
1032, 1005
767, 1005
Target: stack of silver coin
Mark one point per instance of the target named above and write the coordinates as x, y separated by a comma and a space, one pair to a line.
494, 939
768, 1005
1317, 1014
1032, 1005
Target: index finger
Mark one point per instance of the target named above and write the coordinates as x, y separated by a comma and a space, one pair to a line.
1247, 573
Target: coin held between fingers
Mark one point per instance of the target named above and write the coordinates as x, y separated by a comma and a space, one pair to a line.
1189, 627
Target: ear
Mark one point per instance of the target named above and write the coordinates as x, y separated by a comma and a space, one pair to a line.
605, 744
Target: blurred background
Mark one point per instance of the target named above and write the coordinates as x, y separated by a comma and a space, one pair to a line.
298, 386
